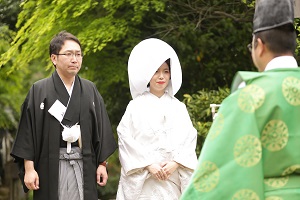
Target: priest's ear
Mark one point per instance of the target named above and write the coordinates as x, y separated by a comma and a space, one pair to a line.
53, 59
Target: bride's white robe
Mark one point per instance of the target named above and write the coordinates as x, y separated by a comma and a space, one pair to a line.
154, 130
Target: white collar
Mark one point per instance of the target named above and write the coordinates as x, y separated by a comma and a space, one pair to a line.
72, 86
282, 62
71, 89
278, 62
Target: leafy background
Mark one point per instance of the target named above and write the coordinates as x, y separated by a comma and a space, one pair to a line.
210, 38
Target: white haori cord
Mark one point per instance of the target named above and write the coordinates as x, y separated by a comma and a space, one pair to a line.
71, 134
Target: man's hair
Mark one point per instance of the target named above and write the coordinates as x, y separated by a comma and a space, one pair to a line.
280, 40
58, 41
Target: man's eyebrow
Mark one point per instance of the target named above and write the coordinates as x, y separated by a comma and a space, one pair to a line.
69, 50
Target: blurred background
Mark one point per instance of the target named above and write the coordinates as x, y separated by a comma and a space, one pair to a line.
209, 36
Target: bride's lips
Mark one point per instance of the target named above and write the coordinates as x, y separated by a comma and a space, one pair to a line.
161, 82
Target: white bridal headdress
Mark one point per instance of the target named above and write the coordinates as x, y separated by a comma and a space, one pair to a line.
145, 58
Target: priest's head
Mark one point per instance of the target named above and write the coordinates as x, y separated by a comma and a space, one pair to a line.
273, 31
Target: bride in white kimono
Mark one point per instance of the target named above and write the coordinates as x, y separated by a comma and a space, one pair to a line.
157, 140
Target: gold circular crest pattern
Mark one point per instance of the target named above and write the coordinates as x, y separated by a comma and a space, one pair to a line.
245, 194
291, 90
276, 182
207, 177
291, 170
216, 127
274, 198
275, 135
250, 98
247, 151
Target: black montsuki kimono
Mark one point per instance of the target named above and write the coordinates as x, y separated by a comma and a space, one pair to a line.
39, 133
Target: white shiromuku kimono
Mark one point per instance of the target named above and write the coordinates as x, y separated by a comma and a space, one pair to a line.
154, 130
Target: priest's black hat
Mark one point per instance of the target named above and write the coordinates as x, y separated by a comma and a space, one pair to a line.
270, 14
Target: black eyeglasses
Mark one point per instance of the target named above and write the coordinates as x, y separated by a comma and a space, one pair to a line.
249, 46
71, 54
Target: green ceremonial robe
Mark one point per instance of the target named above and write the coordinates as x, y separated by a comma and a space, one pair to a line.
252, 150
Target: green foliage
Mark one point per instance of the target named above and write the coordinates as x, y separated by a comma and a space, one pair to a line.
13, 84
210, 38
9, 10
198, 106
250, 3
108, 192
95, 23
30, 195
10, 86
297, 27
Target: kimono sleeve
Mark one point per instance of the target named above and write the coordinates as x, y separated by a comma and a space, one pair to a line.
23, 147
103, 137
186, 154
133, 156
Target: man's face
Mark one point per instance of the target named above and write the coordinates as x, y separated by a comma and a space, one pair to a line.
68, 64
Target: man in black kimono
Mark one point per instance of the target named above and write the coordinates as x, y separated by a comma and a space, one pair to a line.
64, 136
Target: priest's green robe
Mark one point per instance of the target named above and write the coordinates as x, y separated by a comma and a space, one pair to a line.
252, 149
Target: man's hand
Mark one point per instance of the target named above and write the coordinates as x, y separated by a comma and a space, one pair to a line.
31, 178
101, 175
169, 167
157, 171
